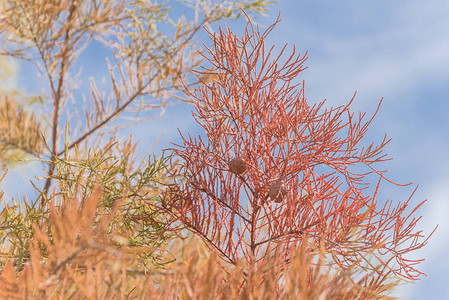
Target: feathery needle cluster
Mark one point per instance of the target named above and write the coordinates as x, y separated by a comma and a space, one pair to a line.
273, 170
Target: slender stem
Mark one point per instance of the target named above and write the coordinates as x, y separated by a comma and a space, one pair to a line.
56, 105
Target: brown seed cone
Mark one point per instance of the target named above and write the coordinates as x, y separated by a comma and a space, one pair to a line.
277, 191
237, 166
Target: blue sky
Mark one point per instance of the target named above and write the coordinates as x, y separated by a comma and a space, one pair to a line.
398, 50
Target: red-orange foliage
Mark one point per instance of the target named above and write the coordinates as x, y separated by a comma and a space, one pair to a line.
306, 171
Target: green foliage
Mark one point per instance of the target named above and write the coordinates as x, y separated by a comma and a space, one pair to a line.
16, 229
137, 188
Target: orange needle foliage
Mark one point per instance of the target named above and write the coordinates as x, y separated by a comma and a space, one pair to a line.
275, 169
